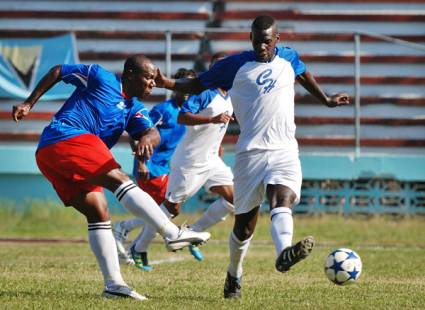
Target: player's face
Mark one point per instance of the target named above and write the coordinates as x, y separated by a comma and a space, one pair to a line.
144, 80
264, 43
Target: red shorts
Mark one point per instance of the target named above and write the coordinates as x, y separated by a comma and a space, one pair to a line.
155, 187
68, 164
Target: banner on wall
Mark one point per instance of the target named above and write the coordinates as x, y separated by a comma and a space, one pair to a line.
23, 62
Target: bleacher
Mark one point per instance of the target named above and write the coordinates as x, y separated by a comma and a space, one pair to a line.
392, 95
392, 78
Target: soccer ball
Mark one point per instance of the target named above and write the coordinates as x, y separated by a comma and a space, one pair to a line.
343, 266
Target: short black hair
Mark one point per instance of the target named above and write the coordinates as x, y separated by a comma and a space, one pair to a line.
183, 73
263, 22
135, 63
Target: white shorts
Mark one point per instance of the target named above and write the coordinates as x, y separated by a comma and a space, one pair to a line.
255, 169
183, 183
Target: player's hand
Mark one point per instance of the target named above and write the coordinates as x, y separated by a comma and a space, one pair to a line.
338, 100
160, 79
221, 118
144, 148
142, 171
20, 111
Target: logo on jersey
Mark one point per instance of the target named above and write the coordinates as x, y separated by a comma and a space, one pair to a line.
121, 105
139, 114
263, 79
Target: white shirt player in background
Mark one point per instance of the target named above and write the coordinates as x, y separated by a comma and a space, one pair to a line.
196, 163
261, 83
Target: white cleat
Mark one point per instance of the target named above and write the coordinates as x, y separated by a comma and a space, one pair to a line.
121, 291
185, 238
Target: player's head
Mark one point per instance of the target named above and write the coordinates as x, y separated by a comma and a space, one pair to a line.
264, 36
182, 73
138, 76
216, 57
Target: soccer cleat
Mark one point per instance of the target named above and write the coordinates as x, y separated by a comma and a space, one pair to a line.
232, 287
185, 238
196, 252
293, 254
121, 235
122, 291
140, 259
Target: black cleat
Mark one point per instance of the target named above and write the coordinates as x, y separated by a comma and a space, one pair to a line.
232, 287
293, 254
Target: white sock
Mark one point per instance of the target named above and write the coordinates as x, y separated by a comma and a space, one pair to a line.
102, 243
238, 250
282, 228
148, 234
142, 205
216, 212
130, 224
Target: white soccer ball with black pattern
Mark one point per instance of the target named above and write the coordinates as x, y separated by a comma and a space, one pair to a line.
343, 266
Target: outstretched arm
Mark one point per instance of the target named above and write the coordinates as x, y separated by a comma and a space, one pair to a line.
47, 82
184, 85
191, 119
307, 80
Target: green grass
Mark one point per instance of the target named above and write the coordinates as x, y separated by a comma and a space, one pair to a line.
65, 275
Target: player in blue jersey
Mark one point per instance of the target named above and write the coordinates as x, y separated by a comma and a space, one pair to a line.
152, 176
197, 163
73, 154
261, 84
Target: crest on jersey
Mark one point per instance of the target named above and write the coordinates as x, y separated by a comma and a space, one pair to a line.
139, 114
264, 79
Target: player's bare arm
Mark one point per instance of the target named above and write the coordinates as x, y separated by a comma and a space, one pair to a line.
191, 119
184, 85
147, 142
309, 83
47, 82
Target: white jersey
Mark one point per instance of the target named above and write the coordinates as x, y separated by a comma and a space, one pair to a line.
262, 96
200, 144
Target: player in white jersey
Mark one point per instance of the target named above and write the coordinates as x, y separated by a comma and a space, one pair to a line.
196, 163
261, 83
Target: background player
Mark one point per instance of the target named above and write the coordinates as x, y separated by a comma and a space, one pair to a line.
73, 154
196, 162
267, 161
152, 175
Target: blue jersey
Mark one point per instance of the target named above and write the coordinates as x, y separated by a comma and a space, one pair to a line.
164, 116
97, 106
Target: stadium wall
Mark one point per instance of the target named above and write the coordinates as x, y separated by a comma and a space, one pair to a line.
337, 183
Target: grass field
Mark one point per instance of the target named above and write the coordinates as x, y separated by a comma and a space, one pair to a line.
65, 275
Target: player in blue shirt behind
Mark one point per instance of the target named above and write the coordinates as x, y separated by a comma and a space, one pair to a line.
73, 154
152, 176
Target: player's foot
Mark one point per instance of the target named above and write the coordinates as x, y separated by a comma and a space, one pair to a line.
140, 259
293, 254
196, 252
121, 291
185, 238
232, 287
121, 235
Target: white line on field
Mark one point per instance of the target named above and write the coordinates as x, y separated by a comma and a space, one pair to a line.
171, 259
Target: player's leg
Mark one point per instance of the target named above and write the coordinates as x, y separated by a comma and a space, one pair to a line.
94, 207
139, 250
239, 242
142, 205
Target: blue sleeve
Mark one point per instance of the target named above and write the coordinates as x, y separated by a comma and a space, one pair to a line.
139, 121
197, 103
77, 75
223, 72
292, 56
156, 115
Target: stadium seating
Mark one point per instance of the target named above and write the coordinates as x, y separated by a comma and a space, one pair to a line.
392, 80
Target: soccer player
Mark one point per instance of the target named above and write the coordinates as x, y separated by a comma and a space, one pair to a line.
73, 154
196, 163
267, 161
152, 176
